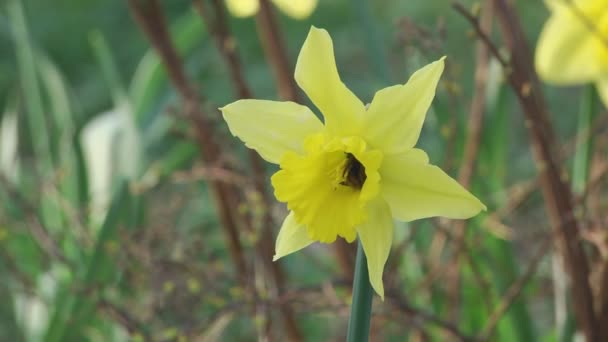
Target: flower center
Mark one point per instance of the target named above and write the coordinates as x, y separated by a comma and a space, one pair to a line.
328, 187
353, 173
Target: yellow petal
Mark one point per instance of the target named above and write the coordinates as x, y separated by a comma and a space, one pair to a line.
569, 51
242, 8
602, 90
415, 190
299, 9
396, 114
269, 127
313, 186
376, 235
316, 73
292, 237
551, 4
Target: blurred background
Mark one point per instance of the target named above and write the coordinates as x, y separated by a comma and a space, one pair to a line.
129, 212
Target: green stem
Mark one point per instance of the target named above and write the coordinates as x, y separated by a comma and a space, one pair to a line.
361, 309
582, 155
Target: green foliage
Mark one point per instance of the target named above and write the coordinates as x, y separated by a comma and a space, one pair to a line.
146, 258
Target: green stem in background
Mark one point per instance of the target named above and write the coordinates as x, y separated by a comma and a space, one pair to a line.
584, 144
361, 309
26, 62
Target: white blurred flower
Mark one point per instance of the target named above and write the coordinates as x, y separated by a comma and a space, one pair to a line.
9, 136
32, 311
112, 150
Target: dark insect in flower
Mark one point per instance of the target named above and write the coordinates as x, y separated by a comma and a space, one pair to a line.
353, 173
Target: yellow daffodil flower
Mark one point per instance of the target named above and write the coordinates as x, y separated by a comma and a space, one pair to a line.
354, 173
297, 9
573, 45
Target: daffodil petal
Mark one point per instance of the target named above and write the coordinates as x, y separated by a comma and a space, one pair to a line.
602, 90
568, 51
243, 8
416, 190
551, 4
300, 9
313, 186
394, 119
292, 237
316, 73
271, 128
376, 235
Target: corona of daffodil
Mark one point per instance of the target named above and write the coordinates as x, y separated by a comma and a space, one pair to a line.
573, 45
353, 173
297, 9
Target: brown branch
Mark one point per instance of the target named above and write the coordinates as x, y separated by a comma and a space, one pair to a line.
602, 290
602, 293
218, 26
274, 48
209, 174
150, 18
481, 33
557, 195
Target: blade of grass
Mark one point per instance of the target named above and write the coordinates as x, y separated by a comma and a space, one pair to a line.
55, 90
110, 72
39, 126
36, 118
76, 310
68, 198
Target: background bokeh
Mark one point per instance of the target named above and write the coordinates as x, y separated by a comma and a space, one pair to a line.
109, 230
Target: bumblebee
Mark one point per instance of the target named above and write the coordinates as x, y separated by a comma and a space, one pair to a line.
354, 173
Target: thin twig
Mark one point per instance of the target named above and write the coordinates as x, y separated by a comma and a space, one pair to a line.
473, 20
